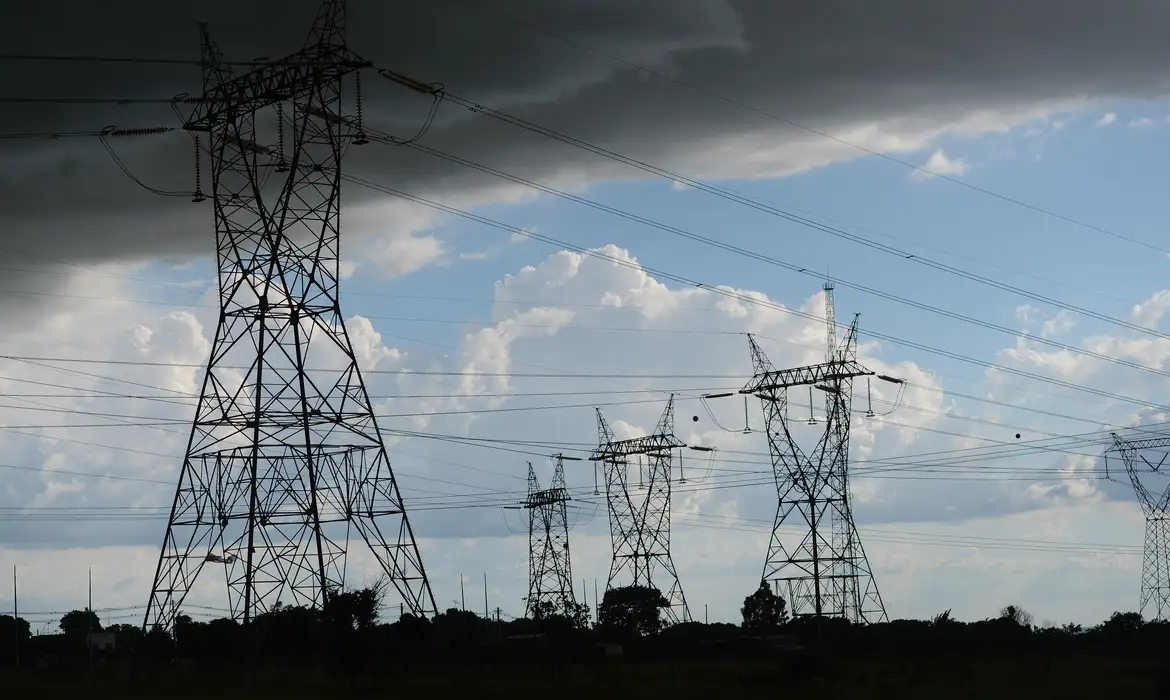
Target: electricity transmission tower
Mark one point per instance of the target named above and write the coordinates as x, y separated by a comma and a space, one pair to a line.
820, 567
285, 462
550, 577
640, 530
1156, 507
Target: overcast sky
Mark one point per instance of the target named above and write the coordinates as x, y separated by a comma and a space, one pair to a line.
1048, 120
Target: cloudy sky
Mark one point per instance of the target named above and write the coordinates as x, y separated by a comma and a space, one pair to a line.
982, 183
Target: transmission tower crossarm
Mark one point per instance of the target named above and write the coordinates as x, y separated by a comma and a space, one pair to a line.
1122, 444
285, 79
653, 445
825, 373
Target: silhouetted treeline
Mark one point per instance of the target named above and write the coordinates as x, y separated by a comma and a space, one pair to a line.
349, 635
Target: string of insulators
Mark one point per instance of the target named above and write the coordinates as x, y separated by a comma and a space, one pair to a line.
281, 165
147, 131
197, 196
409, 82
360, 138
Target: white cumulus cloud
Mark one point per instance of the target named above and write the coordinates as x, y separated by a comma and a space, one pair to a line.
940, 163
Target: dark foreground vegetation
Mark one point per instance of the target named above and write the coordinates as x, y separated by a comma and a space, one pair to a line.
344, 651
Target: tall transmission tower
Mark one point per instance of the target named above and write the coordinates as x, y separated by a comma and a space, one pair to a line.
640, 528
1152, 486
815, 557
285, 462
550, 576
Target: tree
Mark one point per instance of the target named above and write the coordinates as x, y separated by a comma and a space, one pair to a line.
943, 618
80, 622
632, 611
1017, 616
13, 631
1122, 624
355, 609
576, 616
763, 611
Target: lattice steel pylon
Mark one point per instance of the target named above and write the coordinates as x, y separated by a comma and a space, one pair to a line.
550, 574
1155, 593
640, 529
819, 567
285, 460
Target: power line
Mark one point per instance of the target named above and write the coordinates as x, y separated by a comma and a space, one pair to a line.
792, 267
399, 296
772, 210
1013, 446
916, 428
59, 100
795, 218
118, 59
737, 296
823, 134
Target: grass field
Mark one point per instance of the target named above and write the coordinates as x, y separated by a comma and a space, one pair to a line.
1002, 677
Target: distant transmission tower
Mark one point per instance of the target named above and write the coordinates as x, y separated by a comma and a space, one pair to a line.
819, 565
640, 528
550, 576
1155, 502
285, 462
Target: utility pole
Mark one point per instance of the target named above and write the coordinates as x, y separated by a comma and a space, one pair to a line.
822, 568
462, 594
285, 462
89, 619
486, 612
705, 621
16, 614
640, 527
550, 575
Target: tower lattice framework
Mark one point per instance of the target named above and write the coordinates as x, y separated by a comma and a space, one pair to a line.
640, 528
285, 463
1155, 593
815, 557
550, 574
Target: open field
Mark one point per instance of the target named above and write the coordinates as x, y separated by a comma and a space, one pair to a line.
800, 675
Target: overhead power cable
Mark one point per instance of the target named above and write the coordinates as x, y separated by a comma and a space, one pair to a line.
759, 205
662, 274
494, 10
379, 137
941, 414
773, 210
917, 428
117, 59
649, 71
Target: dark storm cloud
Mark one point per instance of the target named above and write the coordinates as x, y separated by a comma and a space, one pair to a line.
830, 64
